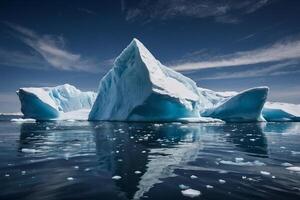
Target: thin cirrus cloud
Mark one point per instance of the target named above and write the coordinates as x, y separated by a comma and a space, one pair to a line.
47, 50
280, 51
223, 11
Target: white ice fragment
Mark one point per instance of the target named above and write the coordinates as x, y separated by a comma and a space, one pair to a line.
183, 187
76, 167
21, 120
27, 150
295, 169
286, 164
70, 178
116, 177
23, 172
137, 172
265, 173
209, 186
194, 177
222, 181
239, 159
191, 193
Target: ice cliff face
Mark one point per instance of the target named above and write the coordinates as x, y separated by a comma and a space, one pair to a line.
140, 88
53, 102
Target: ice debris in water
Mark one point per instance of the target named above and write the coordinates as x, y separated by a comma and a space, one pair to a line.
70, 178
239, 162
222, 181
286, 164
116, 177
21, 120
191, 193
209, 186
295, 169
26, 150
183, 187
137, 172
265, 173
194, 177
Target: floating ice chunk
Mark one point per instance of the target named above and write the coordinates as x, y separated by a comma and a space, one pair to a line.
295, 169
276, 111
191, 193
241, 163
245, 106
70, 178
51, 102
286, 164
295, 152
265, 173
21, 120
183, 187
23, 172
116, 177
7, 175
137, 172
239, 159
140, 88
26, 150
209, 186
222, 181
194, 177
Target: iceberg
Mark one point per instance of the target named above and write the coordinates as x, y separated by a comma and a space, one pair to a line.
276, 111
55, 102
245, 106
140, 88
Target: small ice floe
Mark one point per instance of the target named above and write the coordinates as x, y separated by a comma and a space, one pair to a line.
120, 160
157, 125
70, 178
265, 173
273, 177
295, 152
47, 128
240, 162
294, 169
222, 181
116, 177
252, 139
191, 193
209, 186
76, 167
244, 177
143, 151
23, 172
70, 120
21, 120
183, 187
137, 172
87, 169
7, 175
194, 177
286, 164
282, 147
227, 134
26, 150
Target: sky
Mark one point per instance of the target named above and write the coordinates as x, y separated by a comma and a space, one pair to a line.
223, 45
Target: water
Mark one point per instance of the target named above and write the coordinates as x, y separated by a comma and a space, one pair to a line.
77, 160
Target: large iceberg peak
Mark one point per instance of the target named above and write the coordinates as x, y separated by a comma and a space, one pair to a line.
140, 88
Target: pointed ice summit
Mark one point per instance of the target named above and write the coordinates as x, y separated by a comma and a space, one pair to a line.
140, 88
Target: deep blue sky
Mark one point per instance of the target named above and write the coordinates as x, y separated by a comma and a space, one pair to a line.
223, 45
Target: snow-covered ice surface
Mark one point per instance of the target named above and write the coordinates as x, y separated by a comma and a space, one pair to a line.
60, 102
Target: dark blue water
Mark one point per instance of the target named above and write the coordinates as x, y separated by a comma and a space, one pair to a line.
77, 160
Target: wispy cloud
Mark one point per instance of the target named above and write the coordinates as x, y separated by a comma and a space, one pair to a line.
224, 11
48, 50
280, 51
270, 70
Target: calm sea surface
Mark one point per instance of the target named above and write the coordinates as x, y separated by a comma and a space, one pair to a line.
84, 160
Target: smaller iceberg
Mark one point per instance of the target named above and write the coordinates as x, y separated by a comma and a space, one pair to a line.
60, 102
276, 111
245, 106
